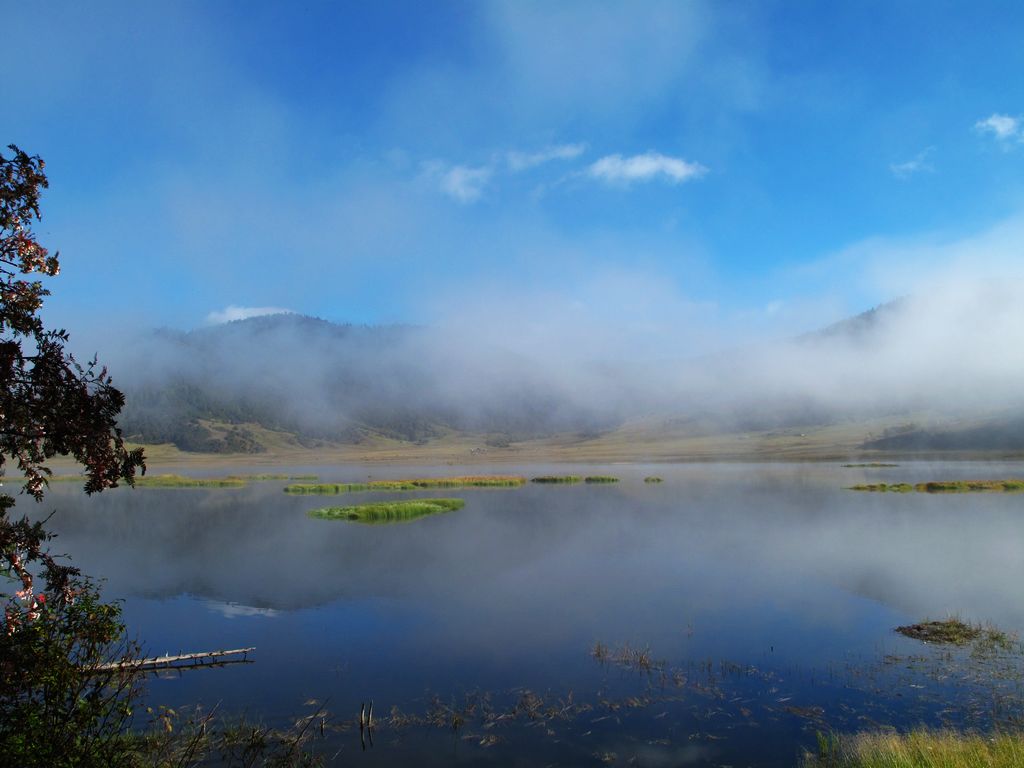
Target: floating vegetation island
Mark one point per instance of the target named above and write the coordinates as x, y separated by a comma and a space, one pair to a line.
600, 479
946, 486
653, 479
419, 484
870, 465
388, 511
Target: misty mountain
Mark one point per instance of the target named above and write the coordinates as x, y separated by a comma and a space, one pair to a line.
320, 381
242, 385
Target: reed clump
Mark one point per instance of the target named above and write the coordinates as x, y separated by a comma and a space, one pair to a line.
417, 484
921, 748
388, 511
557, 479
653, 479
600, 479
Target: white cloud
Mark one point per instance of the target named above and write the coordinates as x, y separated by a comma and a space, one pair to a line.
919, 164
1003, 127
624, 170
232, 312
521, 161
465, 184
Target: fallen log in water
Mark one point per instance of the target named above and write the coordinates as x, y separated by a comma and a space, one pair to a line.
179, 661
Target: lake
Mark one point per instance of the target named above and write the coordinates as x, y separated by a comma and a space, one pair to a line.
721, 617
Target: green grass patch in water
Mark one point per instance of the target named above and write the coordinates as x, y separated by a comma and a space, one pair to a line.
947, 486
921, 748
967, 486
388, 511
557, 479
600, 479
271, 476
884, 487
954, 631
417, 484
870, 465
653, 479
180, 481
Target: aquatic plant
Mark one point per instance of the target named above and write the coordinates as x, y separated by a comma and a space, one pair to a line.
954, 631
271, 476
653, 479
417, 484
964, 486
553, 479
947, 486
884, 487
600, 479
870, 465
388, 511
180, 481
921, 748
332, 488
173, 739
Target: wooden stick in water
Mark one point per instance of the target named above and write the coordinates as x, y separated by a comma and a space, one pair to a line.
161, 662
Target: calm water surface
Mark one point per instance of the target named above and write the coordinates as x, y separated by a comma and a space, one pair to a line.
765, 594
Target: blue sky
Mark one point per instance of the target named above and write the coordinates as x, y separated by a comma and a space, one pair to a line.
766, 165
